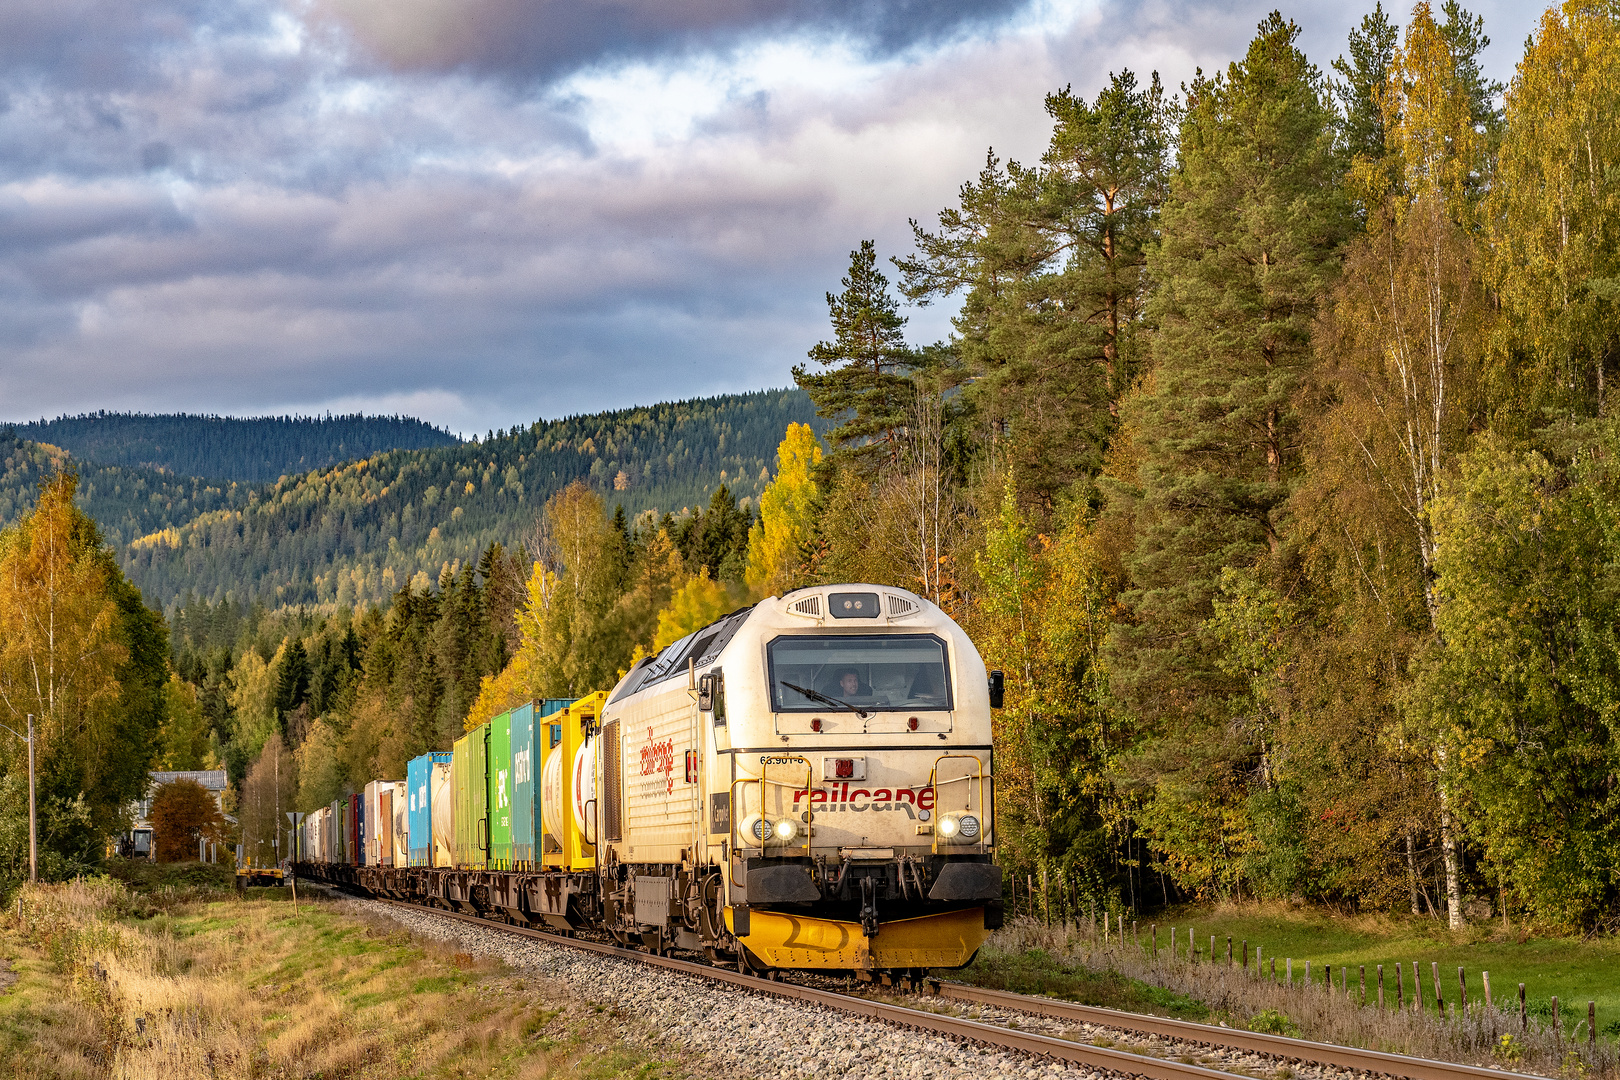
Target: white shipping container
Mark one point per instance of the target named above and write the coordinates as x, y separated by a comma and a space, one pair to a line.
442, 804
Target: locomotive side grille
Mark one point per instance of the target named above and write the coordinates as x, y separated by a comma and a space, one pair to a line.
612, 784
810, 605
899, 605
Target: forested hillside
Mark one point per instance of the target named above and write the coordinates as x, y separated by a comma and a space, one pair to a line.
248, 450
357, 533
126, 502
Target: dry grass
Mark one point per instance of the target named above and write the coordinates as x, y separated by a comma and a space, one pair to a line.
1488, 1037
233, 990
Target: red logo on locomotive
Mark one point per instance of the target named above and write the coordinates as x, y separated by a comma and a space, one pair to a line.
659, 757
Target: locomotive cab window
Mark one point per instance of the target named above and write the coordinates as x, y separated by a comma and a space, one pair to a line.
887, 672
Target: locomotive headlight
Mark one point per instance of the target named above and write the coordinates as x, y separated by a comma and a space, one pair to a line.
959, 828
756, 830
786, 830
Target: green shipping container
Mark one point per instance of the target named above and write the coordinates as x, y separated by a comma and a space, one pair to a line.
469, 776
500, 792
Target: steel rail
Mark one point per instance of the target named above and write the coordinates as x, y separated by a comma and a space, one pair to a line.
1027, 1042
1279, 1046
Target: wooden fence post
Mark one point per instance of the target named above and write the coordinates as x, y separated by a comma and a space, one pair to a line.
1380, 987
1591, 1032
1524, 1012
1155, 933
1363, 970
1558, 1029
1307, 975
1228, 950
1434, 976
1245, 955
1288, 968
1462, 986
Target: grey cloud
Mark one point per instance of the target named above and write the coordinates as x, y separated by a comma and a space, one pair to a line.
542, 39
317, 233
103, 44
1178, 35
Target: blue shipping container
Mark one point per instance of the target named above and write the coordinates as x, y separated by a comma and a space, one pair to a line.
419, 807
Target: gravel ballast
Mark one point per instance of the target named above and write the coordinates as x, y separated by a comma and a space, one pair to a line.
740, 1033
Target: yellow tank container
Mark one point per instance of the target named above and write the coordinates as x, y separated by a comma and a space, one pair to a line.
568, 786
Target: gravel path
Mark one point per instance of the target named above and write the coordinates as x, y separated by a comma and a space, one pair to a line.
739, 1033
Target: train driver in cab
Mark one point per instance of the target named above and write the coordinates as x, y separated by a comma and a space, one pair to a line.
851, 689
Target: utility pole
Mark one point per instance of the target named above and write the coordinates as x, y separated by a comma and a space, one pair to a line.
33, 825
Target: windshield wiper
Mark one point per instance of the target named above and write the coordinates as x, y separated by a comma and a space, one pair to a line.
816, 695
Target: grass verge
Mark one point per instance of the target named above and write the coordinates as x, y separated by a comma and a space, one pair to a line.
1037, 971
1574, 969
173, 984
1028, 956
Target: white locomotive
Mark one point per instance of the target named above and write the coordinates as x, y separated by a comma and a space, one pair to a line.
811, 779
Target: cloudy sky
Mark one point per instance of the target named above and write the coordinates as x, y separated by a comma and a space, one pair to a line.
487, 211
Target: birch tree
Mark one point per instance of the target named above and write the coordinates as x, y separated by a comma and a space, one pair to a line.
1402, 340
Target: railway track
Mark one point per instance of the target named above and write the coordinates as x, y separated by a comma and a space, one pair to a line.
1281, 1048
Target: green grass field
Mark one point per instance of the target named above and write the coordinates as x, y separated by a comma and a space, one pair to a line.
1575, 970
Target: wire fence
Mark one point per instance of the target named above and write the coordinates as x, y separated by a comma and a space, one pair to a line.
1417, 1009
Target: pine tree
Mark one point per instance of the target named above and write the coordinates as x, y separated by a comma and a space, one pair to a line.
1366, 78
1251, 233
1051, 264
1103, 182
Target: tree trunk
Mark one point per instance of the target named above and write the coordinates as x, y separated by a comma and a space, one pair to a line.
1411, 870
1448, 851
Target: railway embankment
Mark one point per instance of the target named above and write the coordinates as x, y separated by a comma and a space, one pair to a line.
191, 981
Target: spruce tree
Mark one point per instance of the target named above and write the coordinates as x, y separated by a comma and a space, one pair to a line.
292, 681
1250, 239
866, 387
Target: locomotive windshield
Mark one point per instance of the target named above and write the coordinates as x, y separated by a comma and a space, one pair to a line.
892, 671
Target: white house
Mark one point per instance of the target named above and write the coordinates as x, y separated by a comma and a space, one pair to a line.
138, 841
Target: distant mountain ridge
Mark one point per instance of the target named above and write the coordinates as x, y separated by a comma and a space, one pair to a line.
357, 532
247, 450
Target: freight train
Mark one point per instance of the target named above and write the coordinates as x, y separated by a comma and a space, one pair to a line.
807, 783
